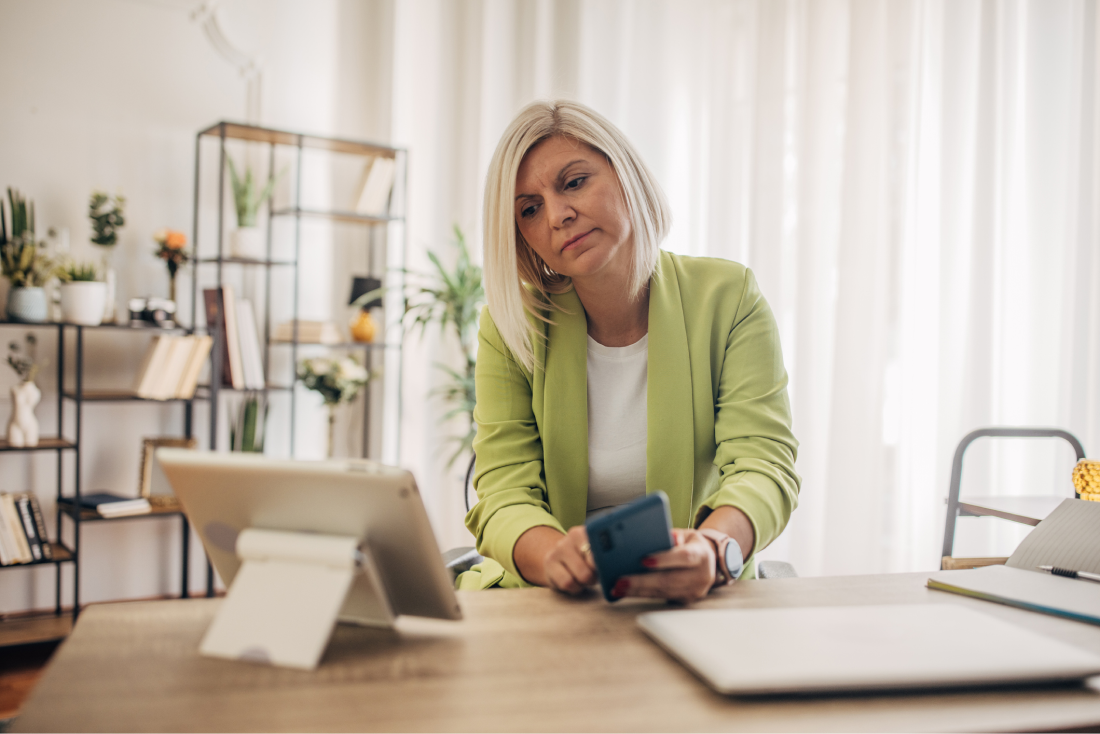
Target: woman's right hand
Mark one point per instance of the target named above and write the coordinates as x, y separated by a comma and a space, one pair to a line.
545, 557
569, 566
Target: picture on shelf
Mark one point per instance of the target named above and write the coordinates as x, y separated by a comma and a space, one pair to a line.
154, 487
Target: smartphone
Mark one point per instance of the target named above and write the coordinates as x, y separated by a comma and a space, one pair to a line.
622, 537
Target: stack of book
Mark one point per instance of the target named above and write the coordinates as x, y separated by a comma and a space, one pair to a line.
309, 332
171, 367
110, 505
23, 537
235, 323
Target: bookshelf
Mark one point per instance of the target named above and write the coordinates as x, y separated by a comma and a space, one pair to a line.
68, 375
384, 248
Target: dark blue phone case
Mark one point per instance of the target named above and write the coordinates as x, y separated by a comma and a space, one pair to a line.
621, 538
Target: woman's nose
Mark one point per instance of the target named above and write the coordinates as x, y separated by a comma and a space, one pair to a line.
561, 211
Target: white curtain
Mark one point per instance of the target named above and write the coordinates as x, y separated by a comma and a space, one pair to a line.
916, 184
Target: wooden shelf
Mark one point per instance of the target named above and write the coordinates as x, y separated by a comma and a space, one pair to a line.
114, 396
61, 554
29, 630
351, 217
238, 131
46, 443
1025, 510
242, 261
89, 515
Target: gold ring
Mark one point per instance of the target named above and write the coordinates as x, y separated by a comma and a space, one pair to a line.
585, 548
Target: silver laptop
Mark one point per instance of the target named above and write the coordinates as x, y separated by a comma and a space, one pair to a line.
223, 494
861, 648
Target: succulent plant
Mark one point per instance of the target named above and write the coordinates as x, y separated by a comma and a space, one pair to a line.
246, 198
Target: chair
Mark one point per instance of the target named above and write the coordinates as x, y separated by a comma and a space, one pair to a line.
1027, 510
464, 558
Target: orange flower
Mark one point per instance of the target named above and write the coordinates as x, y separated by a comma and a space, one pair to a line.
175, 240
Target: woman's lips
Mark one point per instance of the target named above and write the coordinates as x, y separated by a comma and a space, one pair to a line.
576, 240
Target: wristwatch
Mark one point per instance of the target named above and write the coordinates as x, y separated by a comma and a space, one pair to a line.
730, 560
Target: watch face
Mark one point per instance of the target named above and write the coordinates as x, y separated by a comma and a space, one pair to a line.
733, 559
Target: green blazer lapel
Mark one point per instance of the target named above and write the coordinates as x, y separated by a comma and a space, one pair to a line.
670, 445
564, 426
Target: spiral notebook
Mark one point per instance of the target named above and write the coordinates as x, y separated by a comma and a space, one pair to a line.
1068, 538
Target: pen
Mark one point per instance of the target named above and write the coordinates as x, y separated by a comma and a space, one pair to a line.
1071, 574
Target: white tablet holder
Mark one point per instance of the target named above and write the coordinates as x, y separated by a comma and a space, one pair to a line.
288, 594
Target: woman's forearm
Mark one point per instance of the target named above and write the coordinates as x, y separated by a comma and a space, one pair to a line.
734, 523
529, 553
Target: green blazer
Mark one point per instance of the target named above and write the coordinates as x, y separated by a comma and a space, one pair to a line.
718, 417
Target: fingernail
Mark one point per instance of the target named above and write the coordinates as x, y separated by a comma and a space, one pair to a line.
649, 562
621, 587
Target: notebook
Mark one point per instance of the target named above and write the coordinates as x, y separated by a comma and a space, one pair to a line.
861, 648
1068, 538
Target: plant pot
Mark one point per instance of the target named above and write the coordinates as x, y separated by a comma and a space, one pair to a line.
83, 302
27, 305
248, 243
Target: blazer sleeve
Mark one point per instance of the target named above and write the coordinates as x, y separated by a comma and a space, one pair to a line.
755, 447
508, 476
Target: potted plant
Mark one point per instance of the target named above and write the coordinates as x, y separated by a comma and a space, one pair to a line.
247, 241
23, 425
82, 296
337, 380
24, 262
106, 213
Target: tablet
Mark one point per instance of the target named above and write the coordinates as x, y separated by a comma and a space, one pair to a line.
224, 494
861, 648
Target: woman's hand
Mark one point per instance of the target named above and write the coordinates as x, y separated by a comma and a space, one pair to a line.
568, 566
545, 557
684, 574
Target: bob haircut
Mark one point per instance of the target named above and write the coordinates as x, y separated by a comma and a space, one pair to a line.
517, 281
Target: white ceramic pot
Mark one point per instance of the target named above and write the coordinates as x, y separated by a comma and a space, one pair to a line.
23, 426
27, 305
247, 242
83, 302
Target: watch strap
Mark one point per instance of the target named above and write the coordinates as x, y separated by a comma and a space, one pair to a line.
720, 541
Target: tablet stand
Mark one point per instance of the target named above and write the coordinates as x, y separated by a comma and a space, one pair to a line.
285, 599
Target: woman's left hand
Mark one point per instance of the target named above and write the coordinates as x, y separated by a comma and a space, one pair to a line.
684, 574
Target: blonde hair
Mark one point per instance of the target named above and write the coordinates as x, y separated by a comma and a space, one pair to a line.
510, 263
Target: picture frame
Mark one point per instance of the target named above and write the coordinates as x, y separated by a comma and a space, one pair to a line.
146, 481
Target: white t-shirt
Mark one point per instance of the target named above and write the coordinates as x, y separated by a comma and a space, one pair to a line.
617, 378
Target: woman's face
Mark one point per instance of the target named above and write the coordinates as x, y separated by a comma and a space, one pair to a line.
570, 209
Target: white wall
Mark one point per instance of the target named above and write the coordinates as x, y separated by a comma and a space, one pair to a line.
109, 94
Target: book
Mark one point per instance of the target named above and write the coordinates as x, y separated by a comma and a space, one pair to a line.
375, 186
200, 350
179, 350
40, 526
251, 356
15, 526
309, 332
9, 551
1068, 538
233, 338
111, 505
220, 319
152, 366
23, 505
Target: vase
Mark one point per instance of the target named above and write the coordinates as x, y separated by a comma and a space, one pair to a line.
247, 243
363, 328
27, 305
331, 430
23, 426
83, 302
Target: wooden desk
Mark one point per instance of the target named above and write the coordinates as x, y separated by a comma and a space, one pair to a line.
522, 660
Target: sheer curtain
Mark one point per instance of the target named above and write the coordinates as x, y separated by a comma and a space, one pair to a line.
914, 182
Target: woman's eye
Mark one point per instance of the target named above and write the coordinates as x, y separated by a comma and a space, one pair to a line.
527, 211
576, 182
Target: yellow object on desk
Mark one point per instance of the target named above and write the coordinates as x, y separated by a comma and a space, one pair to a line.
1086, 479
363, 327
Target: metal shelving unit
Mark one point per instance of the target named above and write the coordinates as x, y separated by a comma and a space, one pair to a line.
214, 256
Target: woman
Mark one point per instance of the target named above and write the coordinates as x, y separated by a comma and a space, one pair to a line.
608, 368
